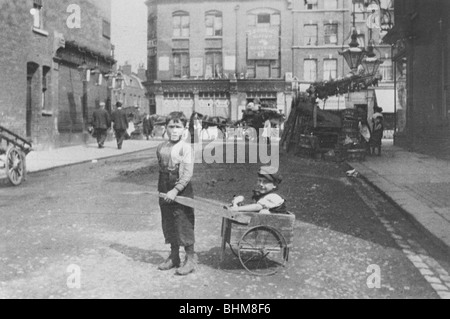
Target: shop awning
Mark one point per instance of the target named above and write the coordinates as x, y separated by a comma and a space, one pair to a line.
385, 99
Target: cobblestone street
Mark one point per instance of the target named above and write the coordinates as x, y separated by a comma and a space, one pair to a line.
83, 217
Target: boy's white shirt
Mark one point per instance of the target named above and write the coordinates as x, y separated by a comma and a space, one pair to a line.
271, 201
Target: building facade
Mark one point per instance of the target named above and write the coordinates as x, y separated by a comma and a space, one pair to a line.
216, 56
44, 42
420, 40
132, 92
323, 29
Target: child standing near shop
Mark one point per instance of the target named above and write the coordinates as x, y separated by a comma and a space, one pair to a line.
176, 167
377, 135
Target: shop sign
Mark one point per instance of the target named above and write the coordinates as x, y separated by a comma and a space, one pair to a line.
263, 44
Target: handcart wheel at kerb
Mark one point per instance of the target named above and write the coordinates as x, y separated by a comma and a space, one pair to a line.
263, 251
15, 166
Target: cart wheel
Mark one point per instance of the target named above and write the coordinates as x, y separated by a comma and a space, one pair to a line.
234, 250
15, 166
263, 251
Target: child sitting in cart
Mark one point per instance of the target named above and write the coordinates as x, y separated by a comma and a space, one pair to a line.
266, 200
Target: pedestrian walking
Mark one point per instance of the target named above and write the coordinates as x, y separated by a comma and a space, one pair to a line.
147, 126
101, 122
176, 166
119, 117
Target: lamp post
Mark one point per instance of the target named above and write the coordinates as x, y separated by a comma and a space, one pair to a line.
354, 54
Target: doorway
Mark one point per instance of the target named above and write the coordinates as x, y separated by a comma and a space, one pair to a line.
32, 69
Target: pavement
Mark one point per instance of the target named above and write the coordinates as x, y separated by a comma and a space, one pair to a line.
418, 184
38, 161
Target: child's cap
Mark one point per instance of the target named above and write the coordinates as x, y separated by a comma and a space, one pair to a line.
271, 174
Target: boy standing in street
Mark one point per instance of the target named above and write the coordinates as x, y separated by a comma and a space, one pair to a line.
176, 166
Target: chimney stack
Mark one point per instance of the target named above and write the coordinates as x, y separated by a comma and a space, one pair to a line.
127, 69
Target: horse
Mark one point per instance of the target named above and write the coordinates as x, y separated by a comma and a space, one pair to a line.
208, 121
257, 119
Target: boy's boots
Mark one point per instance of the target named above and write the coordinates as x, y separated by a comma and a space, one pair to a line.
173, 261
190, 262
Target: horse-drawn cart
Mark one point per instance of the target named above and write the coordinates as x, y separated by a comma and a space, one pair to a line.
13, 150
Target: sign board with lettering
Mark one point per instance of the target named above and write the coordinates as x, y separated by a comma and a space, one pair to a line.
263, 43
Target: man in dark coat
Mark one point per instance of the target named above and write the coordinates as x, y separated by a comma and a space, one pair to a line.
101, 123
147, 125
119, 117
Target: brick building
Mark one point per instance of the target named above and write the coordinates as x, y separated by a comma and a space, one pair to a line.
43, 44
323, 28
216, 56
132, 93
420, 40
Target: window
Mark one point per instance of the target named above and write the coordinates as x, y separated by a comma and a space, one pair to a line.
329, 69
330, 4
311, 4
181, 24
386, 70
37, 14
310, 70
263, 69
213, 67
45, 83
213, 22
331, 31
310, 32
263, 18
181, 64
106, 29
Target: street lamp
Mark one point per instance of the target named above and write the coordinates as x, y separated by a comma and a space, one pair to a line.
370, 62
354, 54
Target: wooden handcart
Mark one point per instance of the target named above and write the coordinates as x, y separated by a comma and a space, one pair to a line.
262, 245
13, 152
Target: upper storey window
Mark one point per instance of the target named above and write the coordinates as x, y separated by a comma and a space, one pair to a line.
213, 22
37, 14
181, 24
311, 4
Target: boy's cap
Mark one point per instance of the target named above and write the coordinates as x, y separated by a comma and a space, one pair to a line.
271, 174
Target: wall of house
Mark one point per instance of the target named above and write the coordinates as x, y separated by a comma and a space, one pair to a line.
22, 46
234, 24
